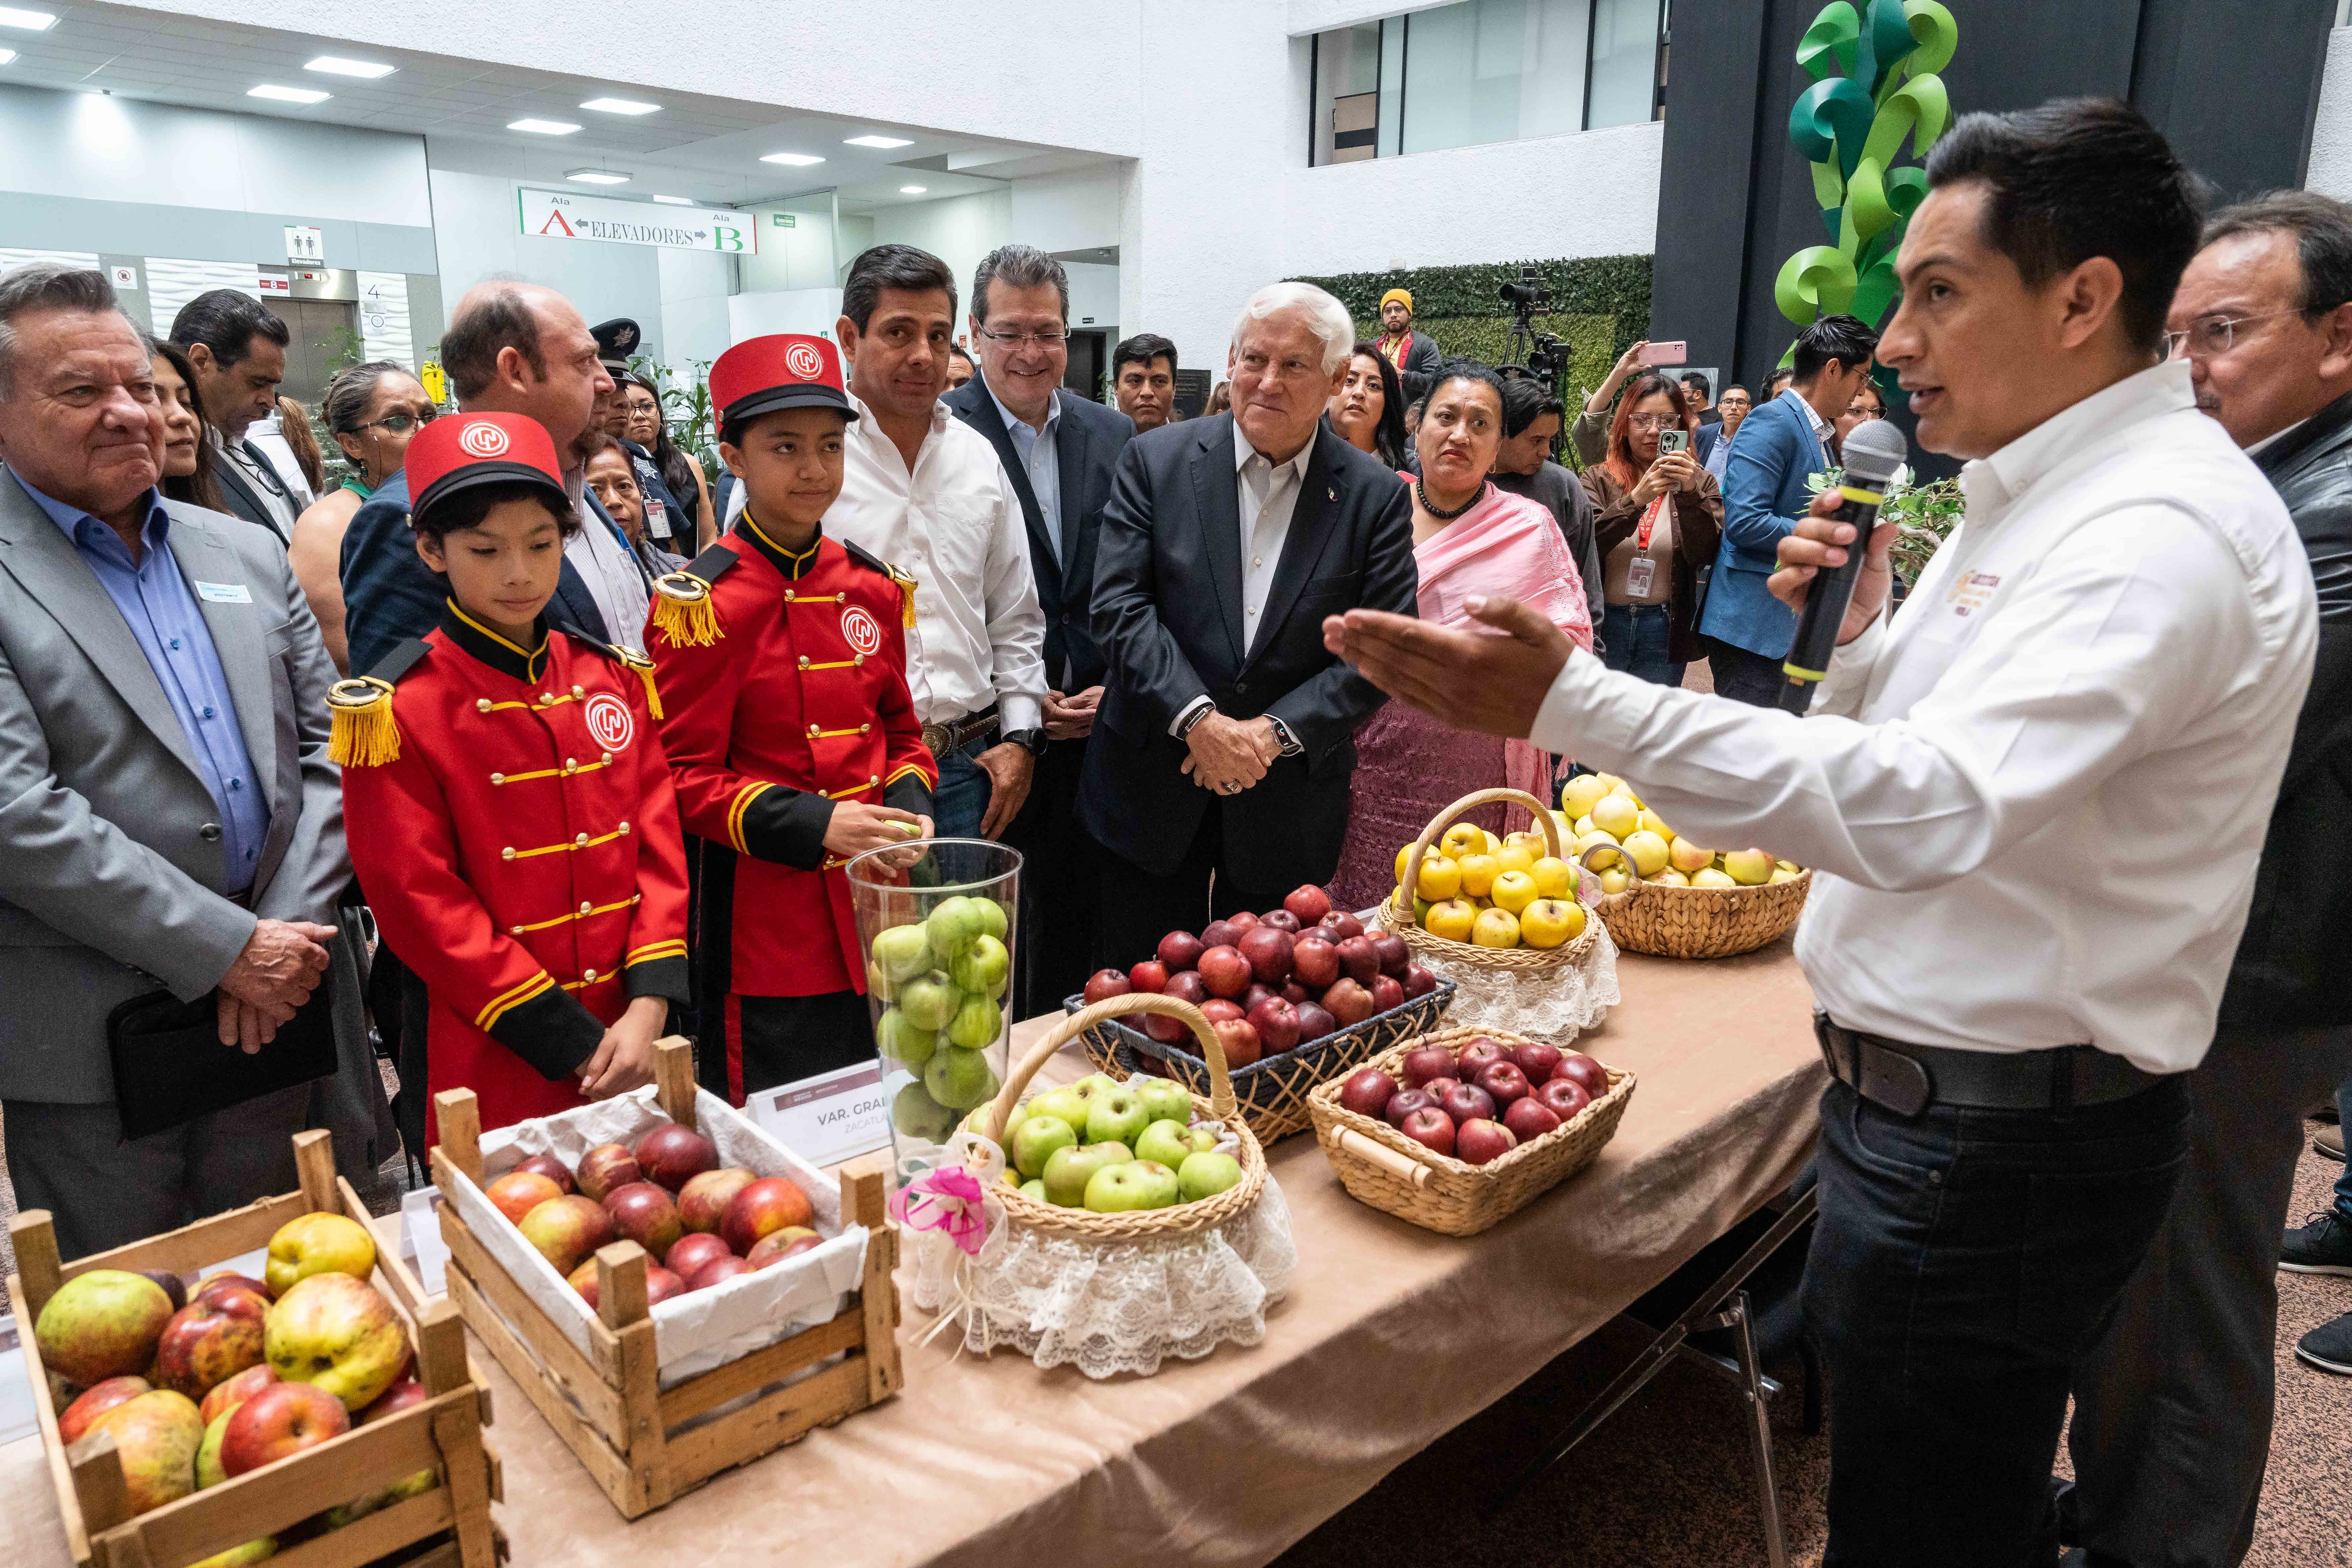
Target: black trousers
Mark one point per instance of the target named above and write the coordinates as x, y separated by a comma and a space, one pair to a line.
1060, 884
1138, 908
1744, 675
1962, 1262
2172, 1407
782, 1039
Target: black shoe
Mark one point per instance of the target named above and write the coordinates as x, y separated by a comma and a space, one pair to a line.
2323, 1247
2329, 1347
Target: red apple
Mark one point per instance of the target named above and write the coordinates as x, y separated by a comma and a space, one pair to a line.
1255, 995
1418, 982
1538, 1059
778, 1245
1388, 992
1475, 1056
694, 1249
172, 1285
703, 1201
1225, 971
1394, 954
1293, 992
1478, 1140
1105, 984
1181, 950
518, 1193
1563, 1097
1186, 986
1281, 919
283, 1418
98, 1399
605, 1167
1359, 959
567, 1229
717, 1271
1404, 1103
405, 1394
206, 1343
1220, 933
1368, 1091
226, 1396
1277, 1022
1504, 1082
1438, 1088
1315, 961
1241, 922
1431, 1128
672, 1156
1269, 953
647, 1216
212, 1286
1341, 925
1349, 1003
1149, 976
1467, 1103
553, 1169
1315, 1021
661, 1285
1426, 1062
771, 1203
1240, 1042
1308, 903
1528, 1117
1219, 1011
1584, 1070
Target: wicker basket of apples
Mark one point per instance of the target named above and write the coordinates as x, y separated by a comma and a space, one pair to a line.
1665, 895
1479, 905
1457, 1130
1296, 996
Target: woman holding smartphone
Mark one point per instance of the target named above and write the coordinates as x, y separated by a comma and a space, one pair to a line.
1657, 516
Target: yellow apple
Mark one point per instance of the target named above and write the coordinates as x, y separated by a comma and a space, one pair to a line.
1577, 796
1517, 856
1421, 908
1648, 852
1514, 890
1612, 880
1547, 922
1451, 920
1404, 858
1582, 826
1670, 879
1596, 839
1478, 873
1555, 878
1532, 841
1711, 877
1496, 928
1441, 879
1783, 874
1748, 867
322, 1242
1616, 815
1493, 845
1787, 865
1462, 839
1652, 822
1687, 856
1626, 791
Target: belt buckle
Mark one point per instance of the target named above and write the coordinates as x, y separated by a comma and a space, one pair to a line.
937, 740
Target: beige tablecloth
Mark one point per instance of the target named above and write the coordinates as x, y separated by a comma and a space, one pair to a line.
1391, 1336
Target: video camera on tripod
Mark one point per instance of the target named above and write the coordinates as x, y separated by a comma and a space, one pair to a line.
1542, 356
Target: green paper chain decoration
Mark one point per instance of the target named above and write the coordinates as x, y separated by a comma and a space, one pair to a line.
1850, 129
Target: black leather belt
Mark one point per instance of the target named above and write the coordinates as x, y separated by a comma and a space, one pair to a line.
1907, 1078
957, 733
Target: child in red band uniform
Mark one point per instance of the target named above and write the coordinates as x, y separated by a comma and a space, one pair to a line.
506, 799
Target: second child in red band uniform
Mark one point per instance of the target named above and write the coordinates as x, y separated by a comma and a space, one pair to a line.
508, 806
783, 661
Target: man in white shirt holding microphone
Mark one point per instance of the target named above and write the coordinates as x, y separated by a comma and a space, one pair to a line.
2033, 801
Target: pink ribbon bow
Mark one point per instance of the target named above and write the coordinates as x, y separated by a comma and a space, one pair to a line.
946, 1199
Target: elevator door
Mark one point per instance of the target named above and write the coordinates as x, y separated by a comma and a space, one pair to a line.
326, 339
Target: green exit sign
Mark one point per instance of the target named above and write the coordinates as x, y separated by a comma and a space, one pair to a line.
787, 220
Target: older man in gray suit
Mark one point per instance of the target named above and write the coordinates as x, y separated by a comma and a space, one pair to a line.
169, 820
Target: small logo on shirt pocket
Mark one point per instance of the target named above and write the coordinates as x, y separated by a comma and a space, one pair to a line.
860, 629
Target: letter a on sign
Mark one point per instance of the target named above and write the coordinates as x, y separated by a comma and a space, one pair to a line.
555, 221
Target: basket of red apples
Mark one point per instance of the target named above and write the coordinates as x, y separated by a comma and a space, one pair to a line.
1456, 1130
1296, 996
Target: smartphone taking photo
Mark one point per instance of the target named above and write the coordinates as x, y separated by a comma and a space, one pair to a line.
1674, 352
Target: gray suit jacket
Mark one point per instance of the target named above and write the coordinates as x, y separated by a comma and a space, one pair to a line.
110, 862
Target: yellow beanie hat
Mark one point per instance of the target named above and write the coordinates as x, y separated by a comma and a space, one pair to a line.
1403, 294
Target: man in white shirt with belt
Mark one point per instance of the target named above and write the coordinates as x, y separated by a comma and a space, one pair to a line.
2034, 802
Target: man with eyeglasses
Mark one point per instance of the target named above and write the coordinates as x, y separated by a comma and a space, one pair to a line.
2172, 1411
1058, 450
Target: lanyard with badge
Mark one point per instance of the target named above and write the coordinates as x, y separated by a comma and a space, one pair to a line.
1642, 569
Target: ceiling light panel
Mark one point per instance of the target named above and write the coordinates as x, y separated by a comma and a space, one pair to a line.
792, 160
597, 176
621, 106
543, 127
878, 142
675, 201
334, 65
31, 21
288, 94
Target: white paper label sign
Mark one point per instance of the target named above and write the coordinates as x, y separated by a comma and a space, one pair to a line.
827, 1119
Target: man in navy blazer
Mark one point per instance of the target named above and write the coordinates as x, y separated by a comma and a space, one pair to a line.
1226, 736
1766, 487
1059, 450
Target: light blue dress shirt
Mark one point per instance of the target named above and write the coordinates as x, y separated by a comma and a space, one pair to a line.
1041, 455
160, 610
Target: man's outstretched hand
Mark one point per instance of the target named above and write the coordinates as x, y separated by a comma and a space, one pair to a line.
1493, 681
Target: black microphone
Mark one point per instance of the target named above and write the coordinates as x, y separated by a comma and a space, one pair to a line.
1874, 454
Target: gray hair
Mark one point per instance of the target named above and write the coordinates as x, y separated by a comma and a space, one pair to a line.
345, 402
1326, 318
46, 286
1021, 267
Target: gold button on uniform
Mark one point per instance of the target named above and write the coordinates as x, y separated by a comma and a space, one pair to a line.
585, 906
590, 977
481, 704
498, 778
507, 853
581, 840
813, 729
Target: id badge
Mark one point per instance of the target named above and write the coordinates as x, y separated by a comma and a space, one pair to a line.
657, 519
1638, 575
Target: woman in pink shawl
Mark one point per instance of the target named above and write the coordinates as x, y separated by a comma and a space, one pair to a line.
1470, 540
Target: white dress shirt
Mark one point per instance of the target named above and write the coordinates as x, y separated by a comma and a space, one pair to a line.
1268, 494
2033, 799
614, 580
1041, 455
954, 525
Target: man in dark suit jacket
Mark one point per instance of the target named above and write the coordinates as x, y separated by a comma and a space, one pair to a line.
237, 346
1227, 729
1059, 450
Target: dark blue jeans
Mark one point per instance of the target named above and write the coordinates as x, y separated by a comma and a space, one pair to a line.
1635, 640
961, 799
1962, 1261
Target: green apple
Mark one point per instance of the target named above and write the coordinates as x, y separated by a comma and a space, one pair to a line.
1036, 1140
959, 1078
1166, 1101
903, 952
977, 1023
1069, 1170
1096, 1083
902, 1042
952, 924
993, 922
1207, 1174
878, 983
976, 1121
1036, 1189
917, 1115
982, 967
1065, 1104
1137, 1185
929, 1001
1169, 1142
1116, 1117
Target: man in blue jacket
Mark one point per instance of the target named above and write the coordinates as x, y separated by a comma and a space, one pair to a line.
1766, 487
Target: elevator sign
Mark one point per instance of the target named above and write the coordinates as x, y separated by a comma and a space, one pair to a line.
566, 215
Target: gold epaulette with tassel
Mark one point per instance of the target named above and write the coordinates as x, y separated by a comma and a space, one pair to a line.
361, 731
684, 614
906, 592
644, 669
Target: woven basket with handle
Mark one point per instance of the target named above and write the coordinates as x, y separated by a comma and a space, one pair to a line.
1381, 1166
1217, 1105
1396, 913
1699, 922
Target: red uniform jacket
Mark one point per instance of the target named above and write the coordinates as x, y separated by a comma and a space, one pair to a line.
799, 702
522, 854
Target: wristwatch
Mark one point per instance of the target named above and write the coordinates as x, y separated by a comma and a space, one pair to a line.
1030, 740
1289, 741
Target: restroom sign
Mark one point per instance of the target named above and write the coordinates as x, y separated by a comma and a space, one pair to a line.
565, 215
304, 243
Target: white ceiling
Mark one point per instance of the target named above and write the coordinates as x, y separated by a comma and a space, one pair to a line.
695, 145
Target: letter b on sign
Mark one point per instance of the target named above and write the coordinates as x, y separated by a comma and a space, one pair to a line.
723, 238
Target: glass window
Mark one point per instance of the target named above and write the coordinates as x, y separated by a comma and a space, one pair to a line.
1347, 93
1624, 62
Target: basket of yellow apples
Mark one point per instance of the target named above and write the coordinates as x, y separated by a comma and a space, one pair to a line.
1663, 894
1478, 903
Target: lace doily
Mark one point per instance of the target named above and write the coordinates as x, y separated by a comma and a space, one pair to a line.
1108, 1309
1557, 1006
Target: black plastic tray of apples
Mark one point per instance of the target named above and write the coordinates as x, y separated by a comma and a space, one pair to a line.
1296, 995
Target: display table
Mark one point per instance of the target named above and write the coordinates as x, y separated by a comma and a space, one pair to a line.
1390, 1336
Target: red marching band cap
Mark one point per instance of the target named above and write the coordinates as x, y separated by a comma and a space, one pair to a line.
784, 370
460, 451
